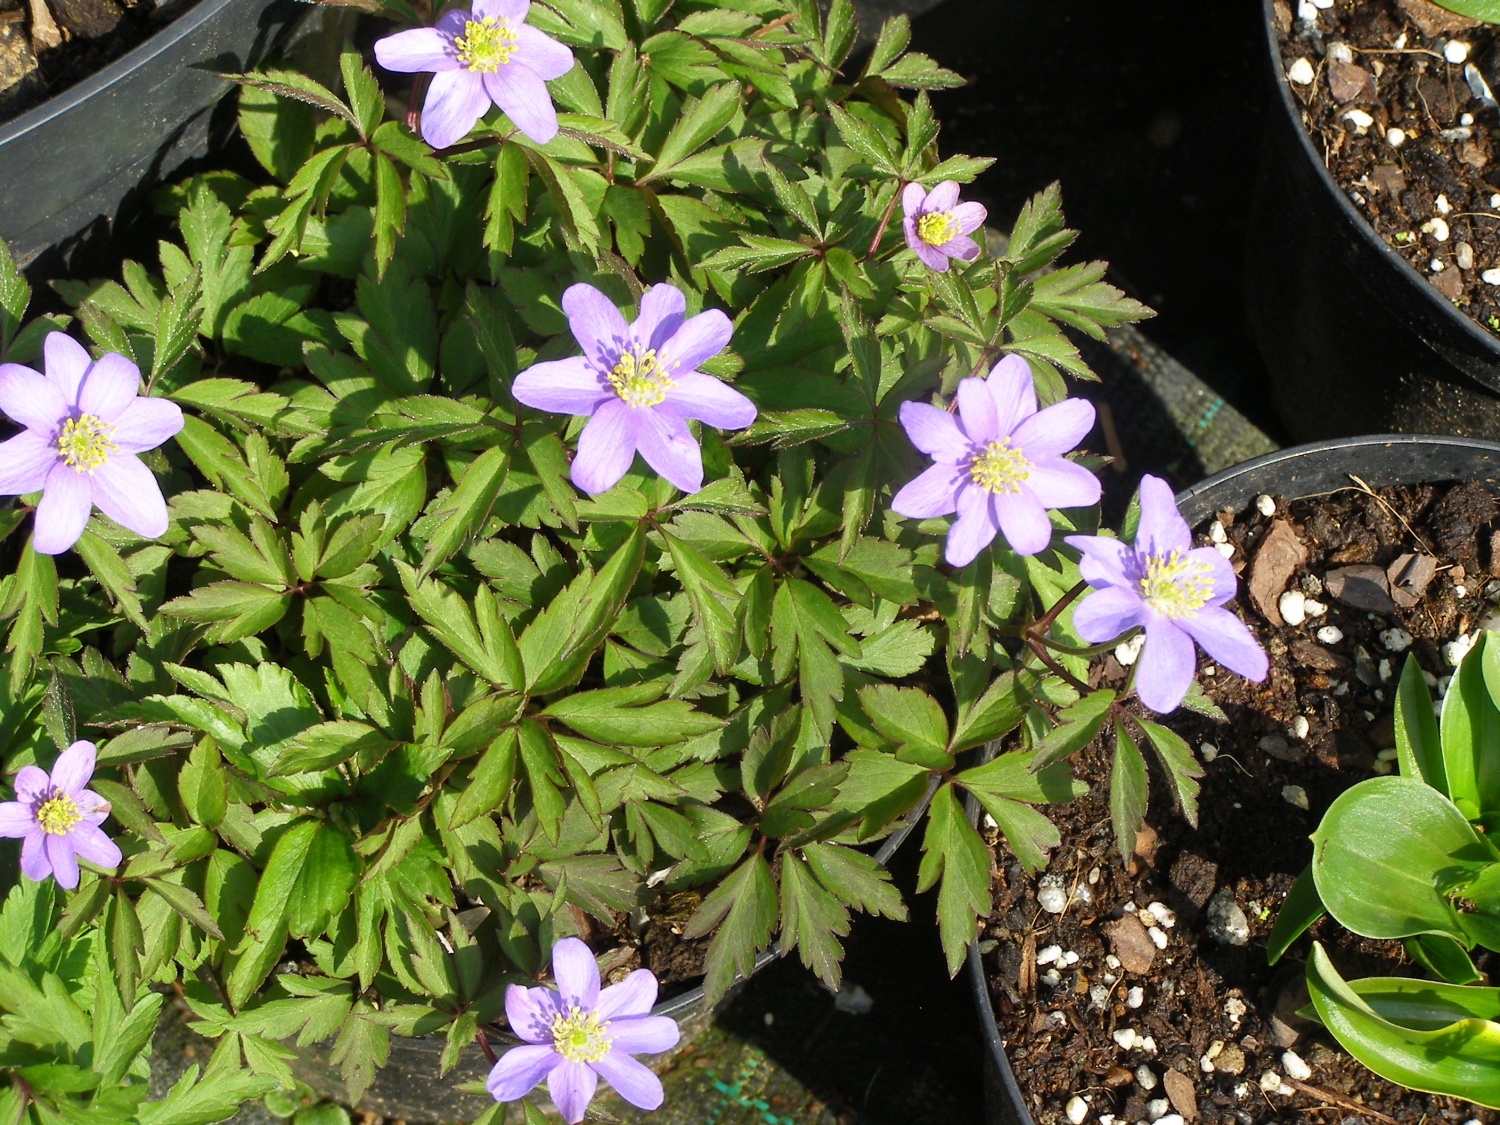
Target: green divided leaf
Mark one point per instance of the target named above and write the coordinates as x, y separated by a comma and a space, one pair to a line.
953, 852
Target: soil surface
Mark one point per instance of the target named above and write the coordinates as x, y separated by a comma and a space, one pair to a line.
1399, 95
1150, 995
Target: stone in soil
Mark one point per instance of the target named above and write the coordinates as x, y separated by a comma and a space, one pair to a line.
1129, 941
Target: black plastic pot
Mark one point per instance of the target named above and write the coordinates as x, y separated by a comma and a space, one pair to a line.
86, 156
1307, 470
1356, 341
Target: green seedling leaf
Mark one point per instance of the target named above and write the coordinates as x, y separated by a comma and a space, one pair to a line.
1299, 910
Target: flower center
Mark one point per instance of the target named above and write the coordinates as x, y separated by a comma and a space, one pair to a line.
1000, 468
84, 443
1176, 586
639, 379
579, 1037
937, 227
486, 44
58, 814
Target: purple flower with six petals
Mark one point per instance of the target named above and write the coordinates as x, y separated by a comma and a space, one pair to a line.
478, 57
937, 225
999, 464
84, 425
1174, 590
637, 386
57, 819
578, 1035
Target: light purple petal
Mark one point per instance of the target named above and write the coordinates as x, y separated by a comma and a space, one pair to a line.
512, 11
109, 387
63, 511
632, 1081
605, 448
1103, 615
633, 996
700, 338
25, 461
64, 861
1014, 390
66, 362
962, 247
695, 395
1023, 521
1057, 429
74, 767
667, 446
1226, 638
1165, 667
974, 530
1062, 484
909, 232
17, 819
935, 432
564, 386
455, 101
145, 424
420, 49
530, 1012
30, 399
451, 23
931, 256
645, 1034
576, 973
1221, 572
969, 216
524, 98
34, 862
1105, 562
516, 1073
1162, 529
976, 407
94, 846
933, 492
32, 784
572, 1087
661, 314
944, 197
912, 197
127, 492
596, 324
95, 809
543, 56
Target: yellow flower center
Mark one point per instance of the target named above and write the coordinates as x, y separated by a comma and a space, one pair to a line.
937, 227
84, 443
639, 379
486, 44
1176, 586
579, 1037
57, 814
1000, 468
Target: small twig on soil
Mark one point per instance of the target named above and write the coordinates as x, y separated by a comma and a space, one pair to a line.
1367, 490
44, 30
1338, 1100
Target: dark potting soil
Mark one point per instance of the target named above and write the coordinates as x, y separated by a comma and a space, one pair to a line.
1362, 68
1134, 993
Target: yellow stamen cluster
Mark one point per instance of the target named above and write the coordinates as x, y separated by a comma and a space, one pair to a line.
84, 443
1176, 586
937, 227
1000, 468
486, 45
58, 814
579, 1037
639, 379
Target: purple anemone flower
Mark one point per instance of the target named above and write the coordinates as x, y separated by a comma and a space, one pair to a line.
1174, 590
637, 386
937, 225
57, 819
84, 426
578, 1035
475, 58
999, 464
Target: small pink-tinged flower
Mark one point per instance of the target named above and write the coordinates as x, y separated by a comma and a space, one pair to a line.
57, 819
478, 57
937, 225
84, 424
578, 1035
637, 385
999, 464
1174, 590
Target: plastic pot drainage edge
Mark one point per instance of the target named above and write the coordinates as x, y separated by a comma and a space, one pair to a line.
1306, 470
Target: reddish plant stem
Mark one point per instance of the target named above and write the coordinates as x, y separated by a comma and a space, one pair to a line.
483, 1041
884, 221
1046, 658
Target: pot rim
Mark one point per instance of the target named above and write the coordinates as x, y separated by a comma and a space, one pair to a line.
1292, 109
